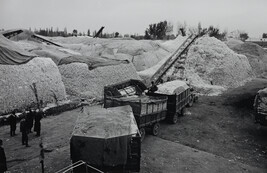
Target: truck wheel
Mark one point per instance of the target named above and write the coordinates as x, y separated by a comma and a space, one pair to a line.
183, 112
191, 101
143, 134
174, 118
155, 129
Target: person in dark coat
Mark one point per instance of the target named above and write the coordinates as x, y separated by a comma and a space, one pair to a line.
37, 122
3, 166
13, 123
29, 120
24, 132
153, 87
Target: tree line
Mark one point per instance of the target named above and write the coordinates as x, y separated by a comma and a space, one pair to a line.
50, 32
162, 30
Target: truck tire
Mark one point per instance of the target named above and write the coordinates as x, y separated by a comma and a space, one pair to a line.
142, 133
174, 119
191, 101
183, 112
155, 129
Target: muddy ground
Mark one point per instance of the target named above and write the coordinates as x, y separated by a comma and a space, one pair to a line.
219, 135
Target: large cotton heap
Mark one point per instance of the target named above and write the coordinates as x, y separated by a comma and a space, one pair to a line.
142, 53
80, 81
173, 45
172, 87
232, 42
256, 55
15, 82
210, 62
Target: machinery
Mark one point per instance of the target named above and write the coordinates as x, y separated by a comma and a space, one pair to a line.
260, 107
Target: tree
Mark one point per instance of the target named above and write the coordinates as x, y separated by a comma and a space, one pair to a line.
264, 35
181, 28
147, 36
156, 30
215, 32
65, 32
88, 32
117, 34
199, 28
75, 32
243, 36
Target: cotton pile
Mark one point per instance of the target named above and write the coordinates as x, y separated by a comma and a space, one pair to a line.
80, 81
106, 123
15, 82
256, 55
143, 53
232, 42
211, 62
172, 87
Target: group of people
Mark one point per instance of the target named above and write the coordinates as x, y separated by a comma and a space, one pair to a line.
30, 119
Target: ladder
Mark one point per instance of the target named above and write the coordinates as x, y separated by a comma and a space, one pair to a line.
180, 53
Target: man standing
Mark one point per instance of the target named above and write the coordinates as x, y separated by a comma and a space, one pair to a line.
37, 122
13, 123
24, 132
3, 166
29, 120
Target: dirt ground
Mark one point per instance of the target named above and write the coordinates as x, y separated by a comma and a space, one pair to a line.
218, 135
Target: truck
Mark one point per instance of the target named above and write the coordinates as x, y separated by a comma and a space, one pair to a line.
106, 139
260, 107
179, 95
148, 110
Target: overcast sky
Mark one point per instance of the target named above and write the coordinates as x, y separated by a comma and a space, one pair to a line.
134, 16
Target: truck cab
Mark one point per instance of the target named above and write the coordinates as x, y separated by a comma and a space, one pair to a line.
260, 107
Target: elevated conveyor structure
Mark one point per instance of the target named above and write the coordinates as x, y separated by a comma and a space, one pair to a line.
9, 34
177, 55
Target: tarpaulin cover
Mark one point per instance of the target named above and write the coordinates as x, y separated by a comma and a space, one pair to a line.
101, 137
11, 54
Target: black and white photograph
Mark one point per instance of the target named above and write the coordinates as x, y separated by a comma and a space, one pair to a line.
133, 86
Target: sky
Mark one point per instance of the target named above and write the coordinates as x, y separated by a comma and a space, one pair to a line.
134, 16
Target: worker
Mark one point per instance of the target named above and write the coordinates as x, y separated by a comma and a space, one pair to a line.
24, 132
29, 120
37, 122
12, 119
3, 166
153, 87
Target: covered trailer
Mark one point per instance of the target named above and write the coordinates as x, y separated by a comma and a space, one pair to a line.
107, 139
260, 107
179, 96
148, 110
